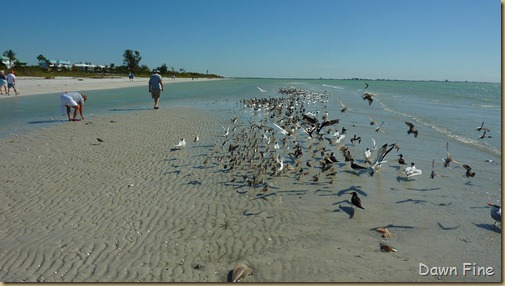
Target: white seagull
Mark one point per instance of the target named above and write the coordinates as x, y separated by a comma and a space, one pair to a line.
495, 213
412, 171
181, 143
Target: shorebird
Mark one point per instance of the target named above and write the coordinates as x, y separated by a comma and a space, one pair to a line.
356, 167
484, 135
197, 137
412, 171
372, 121
412, 129
495, 212
433, 174
227, 131
469, 172
354, 139
448, 160
379, 128
344, 108
181, 143
367, 155
368, 96
482, 128
401, 161
100, 140
356, 200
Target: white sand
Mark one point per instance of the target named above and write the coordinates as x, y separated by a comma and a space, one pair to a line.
37, 85
133, 208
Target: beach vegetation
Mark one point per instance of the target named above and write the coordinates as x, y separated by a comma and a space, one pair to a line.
131, 59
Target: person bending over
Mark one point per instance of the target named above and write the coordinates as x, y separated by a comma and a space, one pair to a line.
76, 101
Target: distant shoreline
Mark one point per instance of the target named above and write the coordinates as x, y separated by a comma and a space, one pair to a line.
38, 85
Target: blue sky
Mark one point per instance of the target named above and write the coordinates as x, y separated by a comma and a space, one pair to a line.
393, 39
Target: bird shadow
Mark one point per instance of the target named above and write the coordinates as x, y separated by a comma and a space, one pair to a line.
400, 179
423, 190
347, 210
247, 213
488, 226
447, 228
128, 109
412, 201
352, 189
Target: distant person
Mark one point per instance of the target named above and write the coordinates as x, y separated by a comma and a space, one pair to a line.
76, 101
3, 82
156, 87
131, 76
11, 83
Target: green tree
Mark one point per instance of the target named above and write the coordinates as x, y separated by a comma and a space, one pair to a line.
132, 60
163, 69
11, 55
41, 58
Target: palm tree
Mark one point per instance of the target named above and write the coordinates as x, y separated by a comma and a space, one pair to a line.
11, 55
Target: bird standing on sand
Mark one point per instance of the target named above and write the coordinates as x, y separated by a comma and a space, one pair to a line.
356, 200
181, 143
412, 171
401, 161
412, 129
469, 172
495, 212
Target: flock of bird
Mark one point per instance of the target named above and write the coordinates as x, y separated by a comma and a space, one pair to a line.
284, 137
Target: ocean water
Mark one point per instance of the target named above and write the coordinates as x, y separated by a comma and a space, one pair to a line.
441, 221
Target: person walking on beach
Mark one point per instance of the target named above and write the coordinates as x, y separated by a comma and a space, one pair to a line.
11, 83
3, 82
156, 87
131, 76
75, 100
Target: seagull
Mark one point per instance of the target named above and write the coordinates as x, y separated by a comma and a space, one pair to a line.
412, 129
448, 160
181, 143
100, 140
412, 171
356, 200
367, 155
368, 96
379, 128
433, 174
262, 90
495, 212
372, 121
354, 139
469, 172
227, 130
344, 108
482, 128
197, 137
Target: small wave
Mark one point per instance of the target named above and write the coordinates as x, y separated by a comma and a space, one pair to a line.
333, 86
489, 106
460, 138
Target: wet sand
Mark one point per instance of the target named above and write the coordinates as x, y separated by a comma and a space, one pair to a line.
136, 208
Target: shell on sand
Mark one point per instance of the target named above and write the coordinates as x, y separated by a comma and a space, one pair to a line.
240, 271
387, 248
385, 232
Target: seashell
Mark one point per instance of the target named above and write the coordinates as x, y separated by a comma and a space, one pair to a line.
387, 248
385, 232
240, 271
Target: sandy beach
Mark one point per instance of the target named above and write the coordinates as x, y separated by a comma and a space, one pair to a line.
136, 208
36, 85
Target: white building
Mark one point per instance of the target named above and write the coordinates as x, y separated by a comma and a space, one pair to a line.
58, 64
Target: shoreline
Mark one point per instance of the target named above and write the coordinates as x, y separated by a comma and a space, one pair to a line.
38, 85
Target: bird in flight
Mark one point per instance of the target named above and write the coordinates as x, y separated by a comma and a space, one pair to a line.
412, 129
